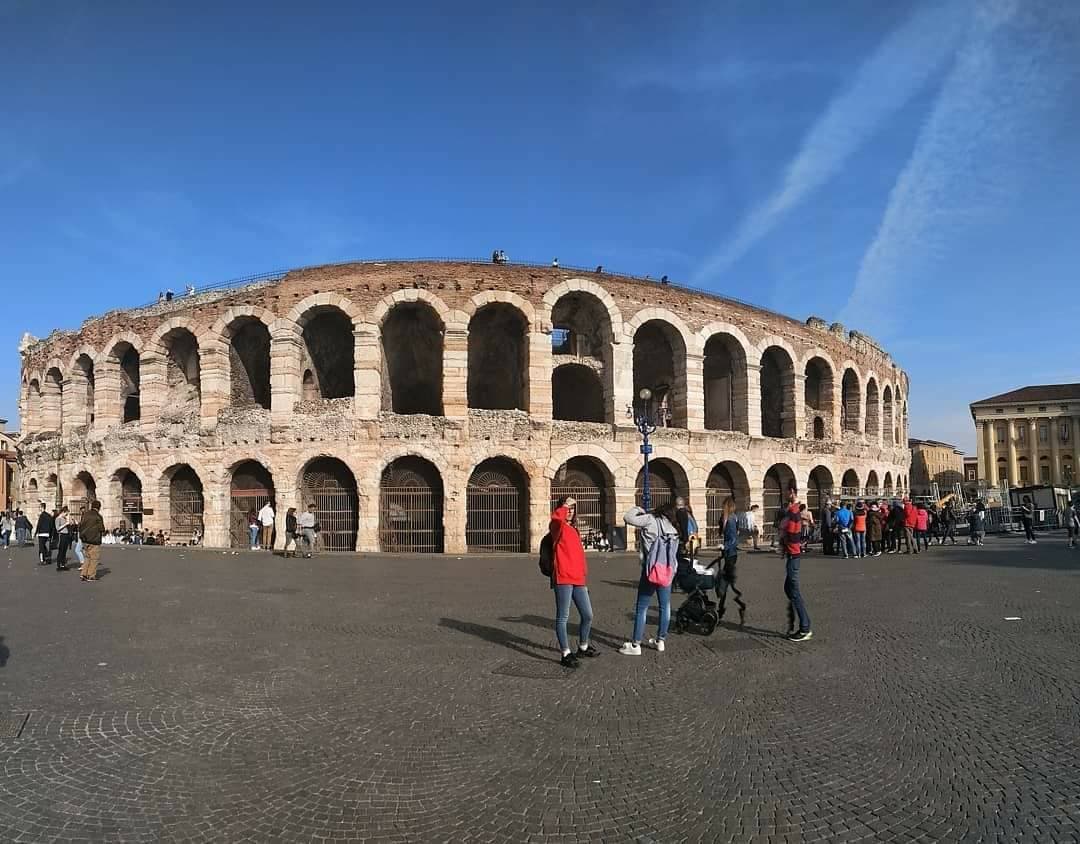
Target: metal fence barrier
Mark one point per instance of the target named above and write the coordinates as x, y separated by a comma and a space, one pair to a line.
410, 520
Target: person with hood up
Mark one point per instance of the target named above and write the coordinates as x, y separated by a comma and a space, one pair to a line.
874, 524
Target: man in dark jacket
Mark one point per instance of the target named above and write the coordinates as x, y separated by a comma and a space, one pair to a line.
44, 531
91, 530
826, 522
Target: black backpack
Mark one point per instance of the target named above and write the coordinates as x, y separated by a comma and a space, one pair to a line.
547, 556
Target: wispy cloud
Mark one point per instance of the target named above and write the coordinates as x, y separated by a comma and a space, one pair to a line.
711, 76
980, 140
898, 69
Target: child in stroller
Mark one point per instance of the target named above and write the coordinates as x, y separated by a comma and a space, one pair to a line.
698, 610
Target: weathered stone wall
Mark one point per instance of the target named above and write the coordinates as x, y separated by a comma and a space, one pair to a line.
216, 426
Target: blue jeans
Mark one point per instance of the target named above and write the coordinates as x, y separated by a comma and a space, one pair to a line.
860, 543
580, 595
6, 535
847, 544
645, 592
254, 531
791, 589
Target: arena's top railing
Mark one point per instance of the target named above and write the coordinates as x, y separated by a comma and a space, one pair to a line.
243, 281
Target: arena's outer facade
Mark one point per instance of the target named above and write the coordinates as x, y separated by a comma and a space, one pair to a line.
441, 406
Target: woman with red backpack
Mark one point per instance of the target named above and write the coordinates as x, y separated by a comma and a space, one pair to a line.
659, 562
569, 576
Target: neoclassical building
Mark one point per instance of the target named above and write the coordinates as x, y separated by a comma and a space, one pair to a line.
427, 406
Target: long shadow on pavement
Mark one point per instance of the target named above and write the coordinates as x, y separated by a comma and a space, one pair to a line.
498, 637
603, 637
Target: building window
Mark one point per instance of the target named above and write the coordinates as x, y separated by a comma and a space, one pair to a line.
1067, 474
1044, 474
971, 474
1042, 409
1024, 478
999, 431
999, 410
1022, 433
1044, 432
1019, 410
1064, 432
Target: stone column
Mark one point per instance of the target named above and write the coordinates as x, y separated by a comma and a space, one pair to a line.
454, 518
837, 416
1033, 447
153, 386
110, 409
539, 508
980, 447
367, 528
991, 455
456, 372
798, 406
539, 370
695, 392
1055, 450
753, 399
215, 513
1014, 470
214, 384
1076, 449
367, 372
285, 352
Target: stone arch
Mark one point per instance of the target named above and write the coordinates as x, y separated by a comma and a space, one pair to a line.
391, 301
873, 408
491, 297
185, 492
247, 339
610, 464
582, 285
726, 479
126, 495
250, 484
887, 414
411, 337
84, 491
217, 337
32, 404
660, 357
724, 376
777, 391
328, 486
818, 391
303, 310
819, 488
178, 349
667, 480
498, 370
121, 363
849, 484
591, 482
582, 333
411, 506
497, 506
83, 385
52, 398
887, 484
577, 394
776, 484
873, 488
851, 401
327, 349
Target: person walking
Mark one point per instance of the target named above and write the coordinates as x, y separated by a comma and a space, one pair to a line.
266, 526
828, 544
1072, 519
948, 523
730, 554
569, 581
91, 532
63, 532
791, 550
306, 524
22, 528
977, 523
843, 521
1027, 517
911, 522
7, 525
922, 528
874, 529
290, 532
752, 527
858, 528
46, 525
659, 545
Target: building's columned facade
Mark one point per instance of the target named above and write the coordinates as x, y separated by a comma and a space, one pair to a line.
1030, 436
422, 406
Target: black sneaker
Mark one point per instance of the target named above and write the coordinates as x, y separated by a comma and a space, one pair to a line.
801, 635
587, 653
569, 661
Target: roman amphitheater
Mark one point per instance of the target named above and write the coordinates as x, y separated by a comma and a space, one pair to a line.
441, 406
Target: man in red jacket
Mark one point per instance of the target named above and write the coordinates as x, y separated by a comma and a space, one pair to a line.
569, 576
911, 521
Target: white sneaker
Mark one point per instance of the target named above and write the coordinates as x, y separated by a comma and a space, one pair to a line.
657, 643
630, 649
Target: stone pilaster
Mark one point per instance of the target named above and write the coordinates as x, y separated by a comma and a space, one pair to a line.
798, 407
1033, 448
214, 385
153, 386
695, 392
1014, 466
753, 399
110, 409
1055, 451
285, 354
367, 372
622, 356
539, 364
456, 372
454, 519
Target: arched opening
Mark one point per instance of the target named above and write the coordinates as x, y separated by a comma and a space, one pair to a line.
182, 372
32, 423
887, 414
849, 409
329, 353
724, 373
497, 507
898, 422
84, 369
52, 401
849, 484
581, 332
726, 480
667, 481
590, 484
873, 409
498, 358
778, 482
819, 489
125, 488
412, 355
250, 489
309, 389
577, 394
411, 507
83, 493
887, 484
185, 504
249, 363
777, 393
54, 492
32, 487
127, 357
660, 366
329, 489
818, 396
873, 490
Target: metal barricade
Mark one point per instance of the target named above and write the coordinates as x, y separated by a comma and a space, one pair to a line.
185, 515
714, 517
410, 520
494, 519
242, 502
336, 513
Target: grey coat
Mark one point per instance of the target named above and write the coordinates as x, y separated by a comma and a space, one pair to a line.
647, 523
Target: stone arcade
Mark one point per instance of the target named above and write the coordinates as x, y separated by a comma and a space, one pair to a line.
427, 406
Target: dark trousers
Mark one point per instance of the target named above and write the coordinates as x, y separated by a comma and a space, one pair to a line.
827, 546
44, 554
62, 549
1028, 529
796, 605
727, 579
909, 539
948, 531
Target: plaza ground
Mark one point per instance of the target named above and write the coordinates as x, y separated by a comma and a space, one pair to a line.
201, 696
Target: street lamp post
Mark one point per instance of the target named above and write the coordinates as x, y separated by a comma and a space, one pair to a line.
644, 422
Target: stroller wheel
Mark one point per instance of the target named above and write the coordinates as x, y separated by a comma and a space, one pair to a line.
709, 622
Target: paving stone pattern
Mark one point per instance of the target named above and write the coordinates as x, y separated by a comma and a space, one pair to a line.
197, 696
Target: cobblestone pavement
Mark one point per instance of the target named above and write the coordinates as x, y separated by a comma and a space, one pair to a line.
199, 696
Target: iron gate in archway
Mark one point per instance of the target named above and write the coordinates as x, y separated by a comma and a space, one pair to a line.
411, 507
496, 508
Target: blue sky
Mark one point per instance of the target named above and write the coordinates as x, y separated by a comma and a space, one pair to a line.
911, 168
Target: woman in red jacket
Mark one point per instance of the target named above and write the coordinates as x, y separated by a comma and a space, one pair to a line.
568, 578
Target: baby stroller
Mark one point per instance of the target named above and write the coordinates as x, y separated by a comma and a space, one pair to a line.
698, 610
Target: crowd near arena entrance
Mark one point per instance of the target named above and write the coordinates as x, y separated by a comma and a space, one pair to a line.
586, 480
411, 507
251, 488
185, 505
497, 502
329, 489
818, 489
